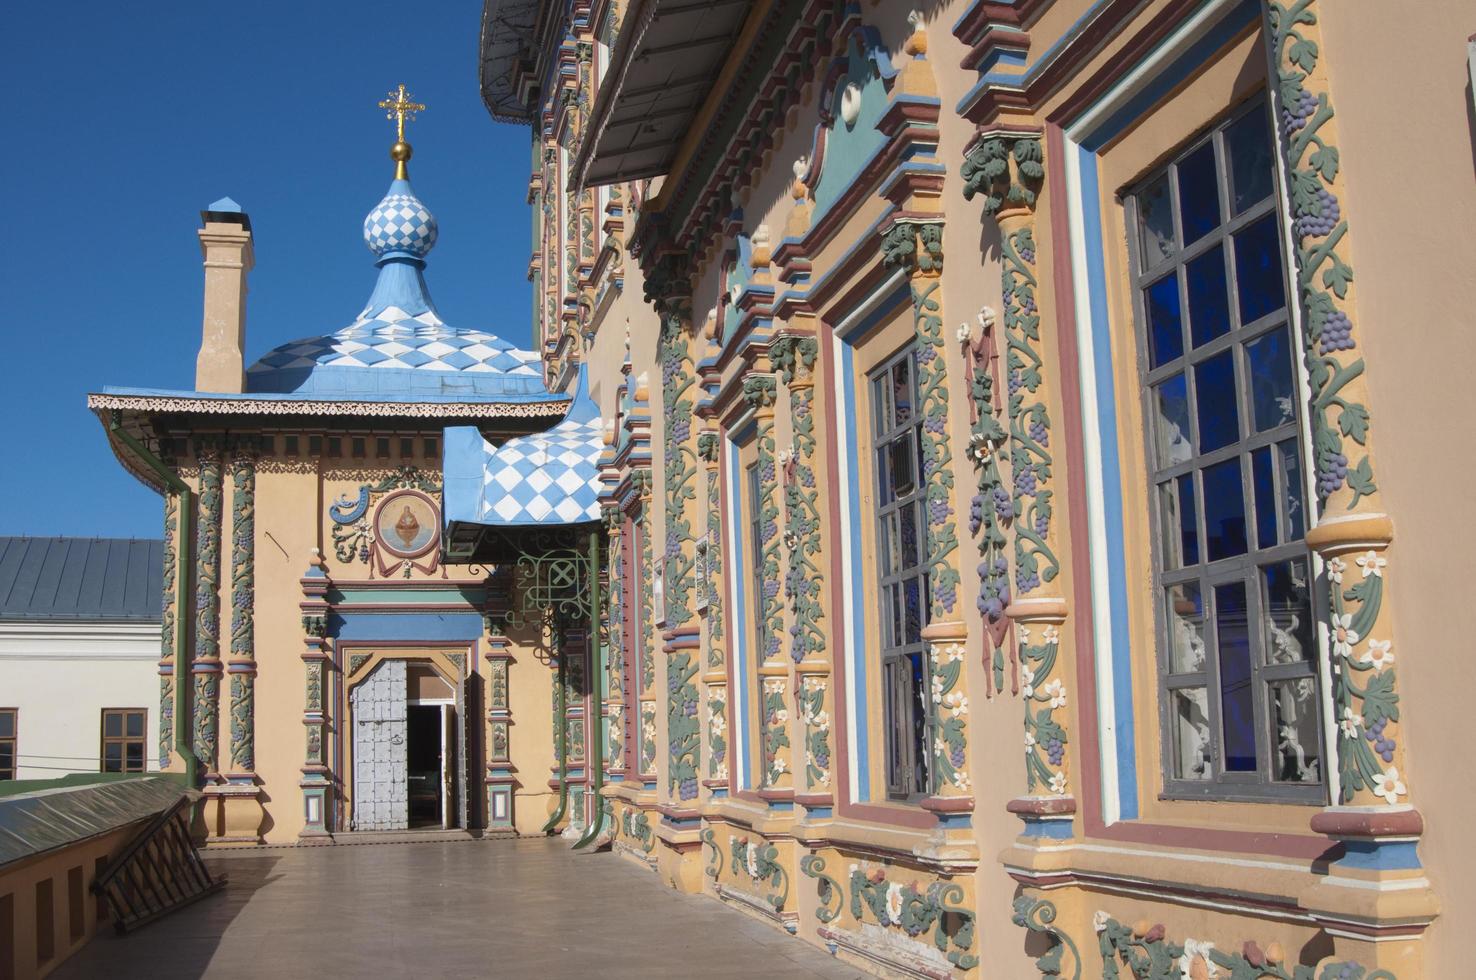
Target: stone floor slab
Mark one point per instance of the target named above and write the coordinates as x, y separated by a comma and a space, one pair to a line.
496, 908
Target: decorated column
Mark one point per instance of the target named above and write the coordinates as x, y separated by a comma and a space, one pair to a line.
615, 650
242, 811
316, 783
1005, 167
206, 665
1372, 812
169, 612
500, 780
670, 289
794, 355
646, 639
777, 758
715, 659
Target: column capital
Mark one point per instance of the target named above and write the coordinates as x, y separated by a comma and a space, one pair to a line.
1007, 168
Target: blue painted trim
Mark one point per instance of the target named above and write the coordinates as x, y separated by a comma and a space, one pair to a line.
1373, 855
819, 812
719, 792
782, 805
428, 627
738, 720
1024, 79
1059, 829
858, 679
1111, 478
1164, 82
952, 820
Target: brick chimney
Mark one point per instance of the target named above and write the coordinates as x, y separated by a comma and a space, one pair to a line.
225, 243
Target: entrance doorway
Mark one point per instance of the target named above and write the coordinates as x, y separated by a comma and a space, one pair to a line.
431, 757
407, 738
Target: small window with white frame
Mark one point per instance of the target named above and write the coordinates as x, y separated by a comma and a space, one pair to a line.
1238, 681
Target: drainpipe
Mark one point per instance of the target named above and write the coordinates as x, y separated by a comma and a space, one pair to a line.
595, 757
182, 604
561, 735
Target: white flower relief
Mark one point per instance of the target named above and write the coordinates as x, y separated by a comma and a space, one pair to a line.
1372, 564
1050, 634
1343, 635
1029, 742
1100, 920
719, 724
1350, 723
953, 652
986, 317
961, 780
965, 332
781, 716
1378, 656
1022, 633
1335, 569
956, 702
1388, 785
1056, 691
1027, 682
751, 859
778, 766
1058, 784
894, 903
937, 689
1195, 950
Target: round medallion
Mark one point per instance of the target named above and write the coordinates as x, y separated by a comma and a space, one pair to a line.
407, 524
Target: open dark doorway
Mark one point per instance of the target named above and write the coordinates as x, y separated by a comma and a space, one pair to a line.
424, 770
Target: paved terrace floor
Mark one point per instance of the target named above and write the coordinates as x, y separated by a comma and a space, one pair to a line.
496, 908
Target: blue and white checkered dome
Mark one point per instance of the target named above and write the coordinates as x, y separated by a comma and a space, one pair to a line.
400, 225
399, 348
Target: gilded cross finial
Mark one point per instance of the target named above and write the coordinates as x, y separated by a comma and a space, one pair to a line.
401, 107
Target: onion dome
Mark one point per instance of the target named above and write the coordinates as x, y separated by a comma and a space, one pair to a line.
400, 226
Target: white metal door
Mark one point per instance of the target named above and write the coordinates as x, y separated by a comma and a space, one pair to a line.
381, 799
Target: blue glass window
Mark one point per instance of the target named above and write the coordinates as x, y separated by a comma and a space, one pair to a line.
1238, 685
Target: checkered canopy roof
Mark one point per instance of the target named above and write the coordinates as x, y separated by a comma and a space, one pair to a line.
545, 478
399, 345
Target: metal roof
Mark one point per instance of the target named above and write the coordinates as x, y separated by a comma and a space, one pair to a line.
668, 56
81, 579
508, 53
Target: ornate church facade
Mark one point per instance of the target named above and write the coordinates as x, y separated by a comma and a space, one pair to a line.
948, 511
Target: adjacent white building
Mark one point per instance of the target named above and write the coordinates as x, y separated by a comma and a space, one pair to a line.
79, 654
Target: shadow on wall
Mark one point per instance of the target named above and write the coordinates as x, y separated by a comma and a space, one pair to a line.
191, 934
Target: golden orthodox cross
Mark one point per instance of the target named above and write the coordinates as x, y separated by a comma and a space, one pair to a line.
399, 107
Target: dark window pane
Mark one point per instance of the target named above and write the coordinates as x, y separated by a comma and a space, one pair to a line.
113, 757
1156, 219
919, 727
1288, 613
7, 756
1165, 329
1224, 509
1248, 144
1188, 520
902, 389
1168, 519
903, 478
1171, 421
1199, 194
912, 612
882, 404
888, 547
1237, 709
1209, 299
1258, 269
135, 756
7, 724
112, 724
1291, 488
1186, 628
1191, 733
1214, 396
908, 516
884, 493
1265, 497
135, 724
1294, 722
1272, 393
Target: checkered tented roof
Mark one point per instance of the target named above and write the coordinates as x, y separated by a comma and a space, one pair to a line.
545, 478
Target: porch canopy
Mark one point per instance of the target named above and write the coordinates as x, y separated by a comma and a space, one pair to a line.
498, 495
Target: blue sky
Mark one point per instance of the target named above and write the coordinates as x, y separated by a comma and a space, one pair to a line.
125, 120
